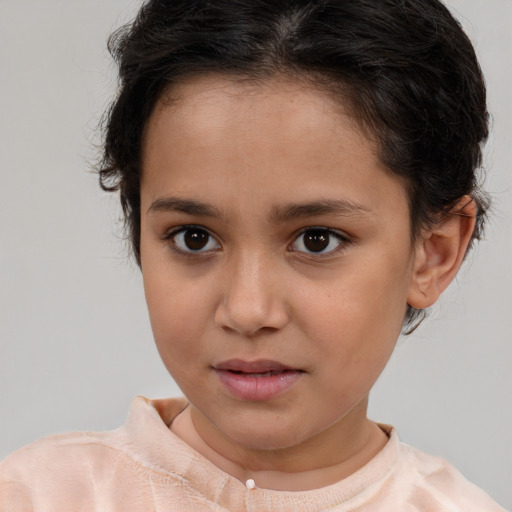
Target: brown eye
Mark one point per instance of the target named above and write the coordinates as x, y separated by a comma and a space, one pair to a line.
318, 241
194, 240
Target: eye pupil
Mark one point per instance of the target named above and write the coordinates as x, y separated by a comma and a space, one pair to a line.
316, 240
196, 239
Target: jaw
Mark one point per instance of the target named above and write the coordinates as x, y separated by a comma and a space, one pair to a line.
268, 438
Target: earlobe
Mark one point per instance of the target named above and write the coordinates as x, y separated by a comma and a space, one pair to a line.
440, 252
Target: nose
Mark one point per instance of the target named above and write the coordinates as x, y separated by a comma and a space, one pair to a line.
252, 298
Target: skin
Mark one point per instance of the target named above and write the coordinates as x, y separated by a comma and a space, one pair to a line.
248, 152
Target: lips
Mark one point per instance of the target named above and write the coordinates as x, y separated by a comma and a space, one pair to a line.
259, 380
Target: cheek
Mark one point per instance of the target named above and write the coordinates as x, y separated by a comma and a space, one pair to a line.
176, 315
361, 309
354, 351
355, 321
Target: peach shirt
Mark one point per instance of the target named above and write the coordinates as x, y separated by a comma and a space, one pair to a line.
144, 467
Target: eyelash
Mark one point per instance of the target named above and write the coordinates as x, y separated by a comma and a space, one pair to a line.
341, 237
170, 236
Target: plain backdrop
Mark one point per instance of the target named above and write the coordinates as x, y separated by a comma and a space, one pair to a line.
75, 341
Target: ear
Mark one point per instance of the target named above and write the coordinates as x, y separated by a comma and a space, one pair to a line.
440, 252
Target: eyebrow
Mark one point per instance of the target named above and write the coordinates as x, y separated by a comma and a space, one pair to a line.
344, 207
278, 214
189, 206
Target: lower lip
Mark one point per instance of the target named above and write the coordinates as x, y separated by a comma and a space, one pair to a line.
246, 386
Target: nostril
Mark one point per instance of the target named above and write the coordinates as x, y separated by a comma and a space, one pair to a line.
251, 305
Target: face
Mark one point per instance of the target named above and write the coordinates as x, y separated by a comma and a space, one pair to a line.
276, 256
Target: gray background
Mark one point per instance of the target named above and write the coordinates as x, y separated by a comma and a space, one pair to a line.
75, 341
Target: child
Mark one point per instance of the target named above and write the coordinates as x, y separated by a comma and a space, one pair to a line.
298, 179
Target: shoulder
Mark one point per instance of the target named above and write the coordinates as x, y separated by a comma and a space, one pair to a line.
67, 467
57, 452
76, 454
435, 484
112, 470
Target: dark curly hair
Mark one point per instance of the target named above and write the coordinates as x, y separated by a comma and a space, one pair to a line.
405, 69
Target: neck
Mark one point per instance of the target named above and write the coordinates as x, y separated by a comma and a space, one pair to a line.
321, 461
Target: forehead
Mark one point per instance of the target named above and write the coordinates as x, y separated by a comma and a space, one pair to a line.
232, 137
225, 96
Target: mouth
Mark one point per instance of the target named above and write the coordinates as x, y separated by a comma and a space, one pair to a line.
260, 374
259, 380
